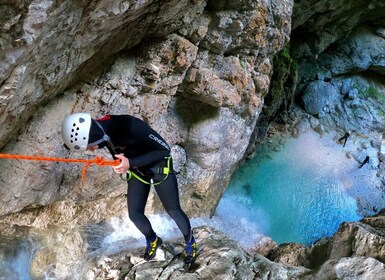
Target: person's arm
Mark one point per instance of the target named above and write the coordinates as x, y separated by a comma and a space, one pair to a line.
124, 165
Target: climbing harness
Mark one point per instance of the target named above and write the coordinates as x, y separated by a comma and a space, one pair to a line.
156, 170
97, 160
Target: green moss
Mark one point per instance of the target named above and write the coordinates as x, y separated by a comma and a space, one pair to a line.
282, 62
281, 93
242, 63
285, 53
371, 92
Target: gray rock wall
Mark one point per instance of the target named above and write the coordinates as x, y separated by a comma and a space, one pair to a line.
194, 71
318, 25
341, 63
344, 88
197, 71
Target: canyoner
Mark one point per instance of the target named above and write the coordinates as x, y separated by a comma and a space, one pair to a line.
145, 157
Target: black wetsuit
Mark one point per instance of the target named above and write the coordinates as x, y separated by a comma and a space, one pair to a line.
145, 149
345, 138
366, 160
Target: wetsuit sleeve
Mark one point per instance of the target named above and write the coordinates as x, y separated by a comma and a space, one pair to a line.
157, 148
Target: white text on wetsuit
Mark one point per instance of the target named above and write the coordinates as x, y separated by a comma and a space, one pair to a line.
159, 141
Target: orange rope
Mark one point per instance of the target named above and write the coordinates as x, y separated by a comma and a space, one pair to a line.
97, 160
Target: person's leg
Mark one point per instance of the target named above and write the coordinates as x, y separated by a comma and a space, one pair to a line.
346, 139
137, 194
169, 196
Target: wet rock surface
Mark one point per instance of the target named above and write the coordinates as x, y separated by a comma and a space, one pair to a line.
354, 252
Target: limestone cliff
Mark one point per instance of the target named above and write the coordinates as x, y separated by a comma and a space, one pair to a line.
339, 48
194, 70
198, 71
355, 252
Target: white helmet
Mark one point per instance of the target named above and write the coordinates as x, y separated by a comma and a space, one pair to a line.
75, 131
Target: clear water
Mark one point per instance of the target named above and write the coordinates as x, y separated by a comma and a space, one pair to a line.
298, 194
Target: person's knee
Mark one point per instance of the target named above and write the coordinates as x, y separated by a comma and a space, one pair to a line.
135, 216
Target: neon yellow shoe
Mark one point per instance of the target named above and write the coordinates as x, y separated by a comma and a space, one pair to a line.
150, 252
190, 251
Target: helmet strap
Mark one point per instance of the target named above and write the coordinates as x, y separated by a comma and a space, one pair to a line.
105, 138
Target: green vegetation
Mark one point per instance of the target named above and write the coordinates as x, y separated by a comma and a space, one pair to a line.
283, 82
374, 94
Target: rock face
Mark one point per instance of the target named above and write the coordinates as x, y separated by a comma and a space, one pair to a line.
316, 26
219, 258
354, 252
347, 95
340, 72
196, 71
341, 63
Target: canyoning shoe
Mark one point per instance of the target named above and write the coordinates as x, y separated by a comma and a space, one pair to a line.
151, 248
190, 252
